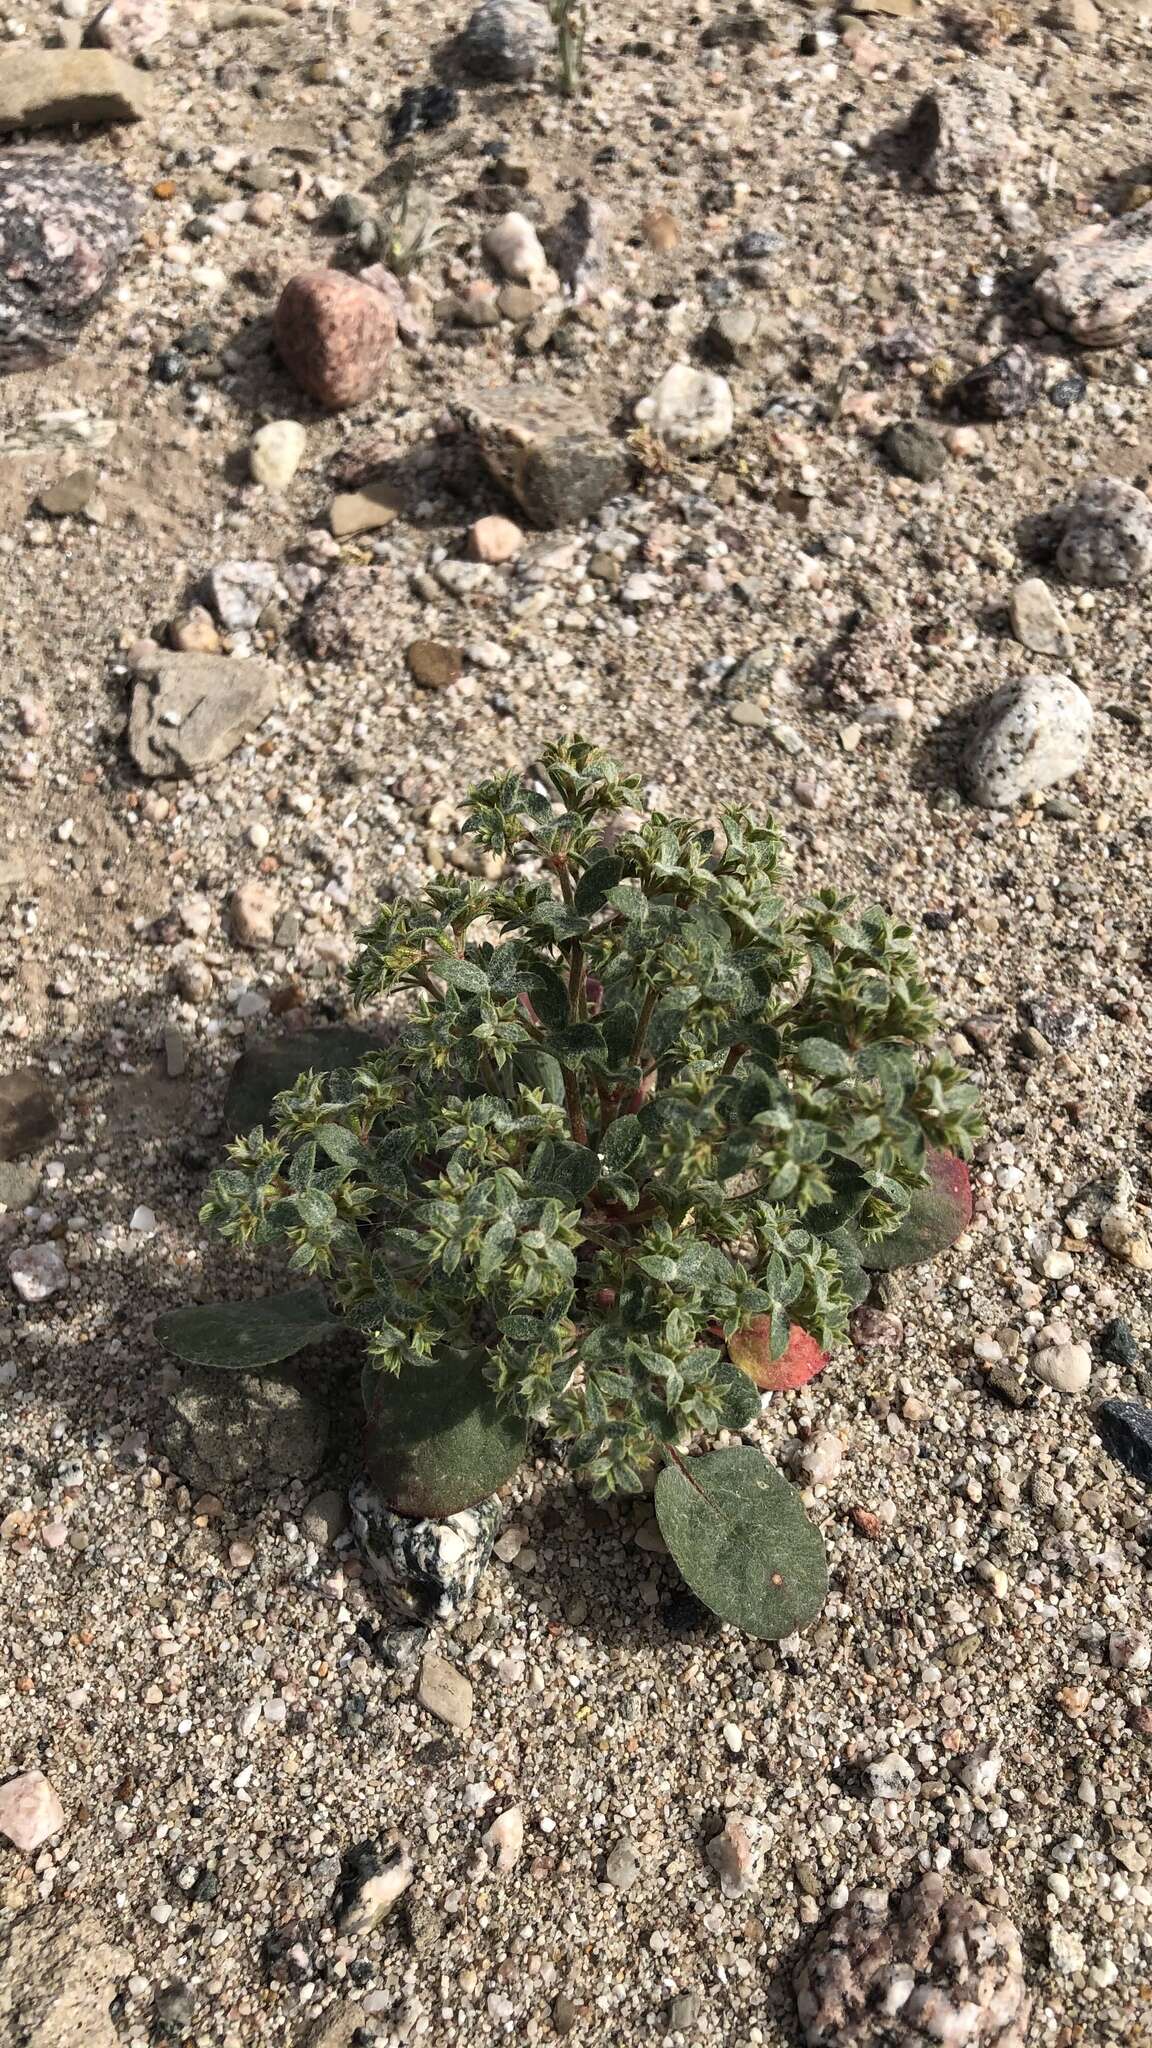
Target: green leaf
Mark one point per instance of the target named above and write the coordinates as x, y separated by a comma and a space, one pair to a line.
464, 975
594, 884
242, 1336
437, 1439
935, 1217
820, 1056
743, 1542
740, 1398
622, 1143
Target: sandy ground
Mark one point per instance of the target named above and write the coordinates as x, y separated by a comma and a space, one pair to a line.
982, 1554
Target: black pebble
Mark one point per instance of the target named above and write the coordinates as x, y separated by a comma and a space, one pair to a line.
1117, 1343
421, 109
167, 366
1125, 1429
1068, 392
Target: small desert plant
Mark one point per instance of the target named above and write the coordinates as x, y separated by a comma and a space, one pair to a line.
646, 1127
570, 20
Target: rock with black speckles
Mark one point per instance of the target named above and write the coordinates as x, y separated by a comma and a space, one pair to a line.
65, 225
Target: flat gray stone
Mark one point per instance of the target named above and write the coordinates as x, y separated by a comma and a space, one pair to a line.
194, 710
239, 1434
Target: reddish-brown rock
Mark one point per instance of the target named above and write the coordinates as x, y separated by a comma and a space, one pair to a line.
334, 336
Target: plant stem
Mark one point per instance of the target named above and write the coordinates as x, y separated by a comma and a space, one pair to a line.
642, 1023
575, 1107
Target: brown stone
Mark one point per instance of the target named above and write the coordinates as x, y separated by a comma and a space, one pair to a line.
53, 88
363, 511
27, 1113
661, 230
334, 336
434, 665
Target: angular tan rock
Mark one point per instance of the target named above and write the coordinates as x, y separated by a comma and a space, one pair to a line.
30, 1811
363, 511
445, 1692
193, 710
1099, 280
53, 88
1037, 620
961, 134
334, 336
546, 449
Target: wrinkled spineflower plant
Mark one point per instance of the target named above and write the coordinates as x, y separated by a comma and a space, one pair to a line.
644, 1118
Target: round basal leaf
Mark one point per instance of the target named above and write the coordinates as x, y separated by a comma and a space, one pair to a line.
242, 1336
753, 1349
743, 1542
437, 1441
935, 1218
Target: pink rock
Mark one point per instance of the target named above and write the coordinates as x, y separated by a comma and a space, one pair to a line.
129, 26
30, 1811
494, 539
334, 336
737, 1854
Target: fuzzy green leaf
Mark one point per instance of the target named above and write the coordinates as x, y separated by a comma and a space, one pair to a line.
243, 1336
743, 1542
437, 1439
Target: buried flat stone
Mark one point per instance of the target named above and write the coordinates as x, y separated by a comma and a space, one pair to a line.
27, 1113
64, 226
546, 449
193, 710
445, 1692
241, 1434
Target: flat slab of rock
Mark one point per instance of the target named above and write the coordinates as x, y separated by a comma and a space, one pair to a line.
58, 1976
1099, 280
547, 450
53, 88
1027, 735
195, 709
241, 1434
64, 226
273, 1064
445, 1692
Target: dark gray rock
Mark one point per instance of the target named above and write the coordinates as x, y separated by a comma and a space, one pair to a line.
545, 448
507, 42
65, 224
429, 1571
1001, 389
1117, 1344
193, 710
242, 1434
914, 450
27, 1113
1125, 1429
273, 1064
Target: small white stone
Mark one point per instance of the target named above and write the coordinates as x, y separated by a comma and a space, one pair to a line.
1128, 1651
37, 1271
143, 1220
505, 1837
276, 453
733, 1737
689, 410
1065, 1367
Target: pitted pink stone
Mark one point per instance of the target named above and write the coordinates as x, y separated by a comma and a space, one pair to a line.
30, 1812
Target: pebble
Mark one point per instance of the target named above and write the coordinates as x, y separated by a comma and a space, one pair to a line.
1003, 388
129, 26
736, 1855
891, 1776
689, 410
375, 1897
622, 1865
914, 450
505, 1838
1125, 1430
37, 1272
732, 335
661, 230
1107, 541
240, 591
1038, 622
1128, 1651
194, 632
325, 1518
252, 915
70, 494
276, 452
373, 506
822, 1457
494, 539
514, 247
507, 42
445, 1692
961, 134
30, 1811
334, 335
1025, 737
433, 664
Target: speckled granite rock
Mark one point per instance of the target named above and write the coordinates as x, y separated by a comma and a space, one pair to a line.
1003, 388
429, 1571
193, 710
58, 1977
129, 26
53, 88
928, 1970
240, 1434
64, 225
1099, 280
547, 450
334, 336
507, 42
349, 616
961, 134
1027, 736
1107, 540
